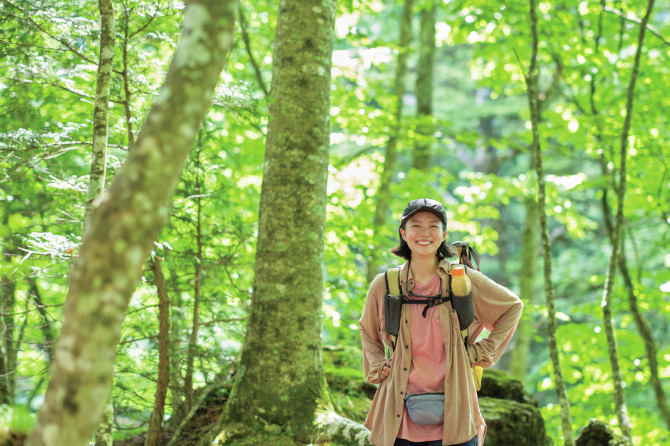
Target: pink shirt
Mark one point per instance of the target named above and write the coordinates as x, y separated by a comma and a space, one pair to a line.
429, 361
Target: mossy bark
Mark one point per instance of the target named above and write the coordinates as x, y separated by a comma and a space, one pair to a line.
280, 384
533, 97
529, 239
104, 431
384, 193
121, 232
424, 87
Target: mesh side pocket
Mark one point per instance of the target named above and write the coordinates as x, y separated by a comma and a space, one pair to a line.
464, 309
393, 310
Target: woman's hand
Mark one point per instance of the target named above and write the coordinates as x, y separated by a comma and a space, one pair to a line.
386, 370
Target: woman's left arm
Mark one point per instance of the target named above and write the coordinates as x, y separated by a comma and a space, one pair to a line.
498, 310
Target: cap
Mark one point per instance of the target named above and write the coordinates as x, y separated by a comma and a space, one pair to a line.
425, 205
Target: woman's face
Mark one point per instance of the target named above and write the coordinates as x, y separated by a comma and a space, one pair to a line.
423, 233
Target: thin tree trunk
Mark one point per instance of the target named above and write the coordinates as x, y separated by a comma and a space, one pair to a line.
96, 183
7, 292
127, 101
252, 59
7, 370
532, 91
124, 226
47, 332
648, 339
424, 87
523, 335
176, 324
192, 343
384, 193
617, 237
155, 426
280, 379
105, 429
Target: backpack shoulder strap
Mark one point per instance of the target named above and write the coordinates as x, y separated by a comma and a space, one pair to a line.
392, 277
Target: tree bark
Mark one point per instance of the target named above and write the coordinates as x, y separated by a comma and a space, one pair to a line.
424, 87
532, 92
96, 182
122, 230
280, 381
192, 343
176, 325
127, 101
617, 237
384, 193
8, 360
103, 433
527, 290
155, 426
47, 332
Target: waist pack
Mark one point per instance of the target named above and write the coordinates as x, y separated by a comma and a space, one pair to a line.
394, 300
426, 409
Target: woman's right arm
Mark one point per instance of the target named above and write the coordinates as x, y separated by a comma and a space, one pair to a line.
370, 328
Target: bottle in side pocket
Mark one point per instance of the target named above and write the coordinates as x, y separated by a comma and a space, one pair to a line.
460, 282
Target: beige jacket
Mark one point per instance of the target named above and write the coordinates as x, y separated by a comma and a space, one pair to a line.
496, 308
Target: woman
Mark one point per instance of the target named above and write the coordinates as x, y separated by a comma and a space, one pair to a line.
430, 356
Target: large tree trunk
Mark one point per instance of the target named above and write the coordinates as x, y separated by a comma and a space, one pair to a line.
523, 334
154, 432
384, 193
424, 87
533, 97
617, 237
123, 228
280, 380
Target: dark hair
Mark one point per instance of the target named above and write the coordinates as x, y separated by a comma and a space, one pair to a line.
443, 252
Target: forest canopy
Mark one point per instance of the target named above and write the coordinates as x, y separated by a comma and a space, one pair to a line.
541, 126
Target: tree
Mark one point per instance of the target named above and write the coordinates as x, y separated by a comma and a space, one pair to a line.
617, 237
123, 228
391, 155
280, 378
533, 99
424, 87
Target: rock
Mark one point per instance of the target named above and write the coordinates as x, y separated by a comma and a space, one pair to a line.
598, 433
511, 422
498, 384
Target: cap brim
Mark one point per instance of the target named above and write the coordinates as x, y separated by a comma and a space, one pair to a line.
435, 212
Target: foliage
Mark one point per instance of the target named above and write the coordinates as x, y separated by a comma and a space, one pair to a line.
480, 170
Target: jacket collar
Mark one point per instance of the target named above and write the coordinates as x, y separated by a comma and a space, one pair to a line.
407, 278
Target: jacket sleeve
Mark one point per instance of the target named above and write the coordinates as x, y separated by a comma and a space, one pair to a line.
498, 310
370, 326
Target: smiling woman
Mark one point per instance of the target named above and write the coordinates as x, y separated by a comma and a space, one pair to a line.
434, 345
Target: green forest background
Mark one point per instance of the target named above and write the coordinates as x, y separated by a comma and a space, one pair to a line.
477, 131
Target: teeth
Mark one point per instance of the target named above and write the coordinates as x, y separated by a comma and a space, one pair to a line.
424, 243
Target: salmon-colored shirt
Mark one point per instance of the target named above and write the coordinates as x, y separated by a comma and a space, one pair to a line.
429, 361
496, 308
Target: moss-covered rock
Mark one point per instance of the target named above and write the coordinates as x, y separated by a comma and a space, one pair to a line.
500, 385
598, 433
512, 423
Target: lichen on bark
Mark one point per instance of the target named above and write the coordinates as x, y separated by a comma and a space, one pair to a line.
121, 231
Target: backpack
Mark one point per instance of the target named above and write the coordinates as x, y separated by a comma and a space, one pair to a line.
394, 300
